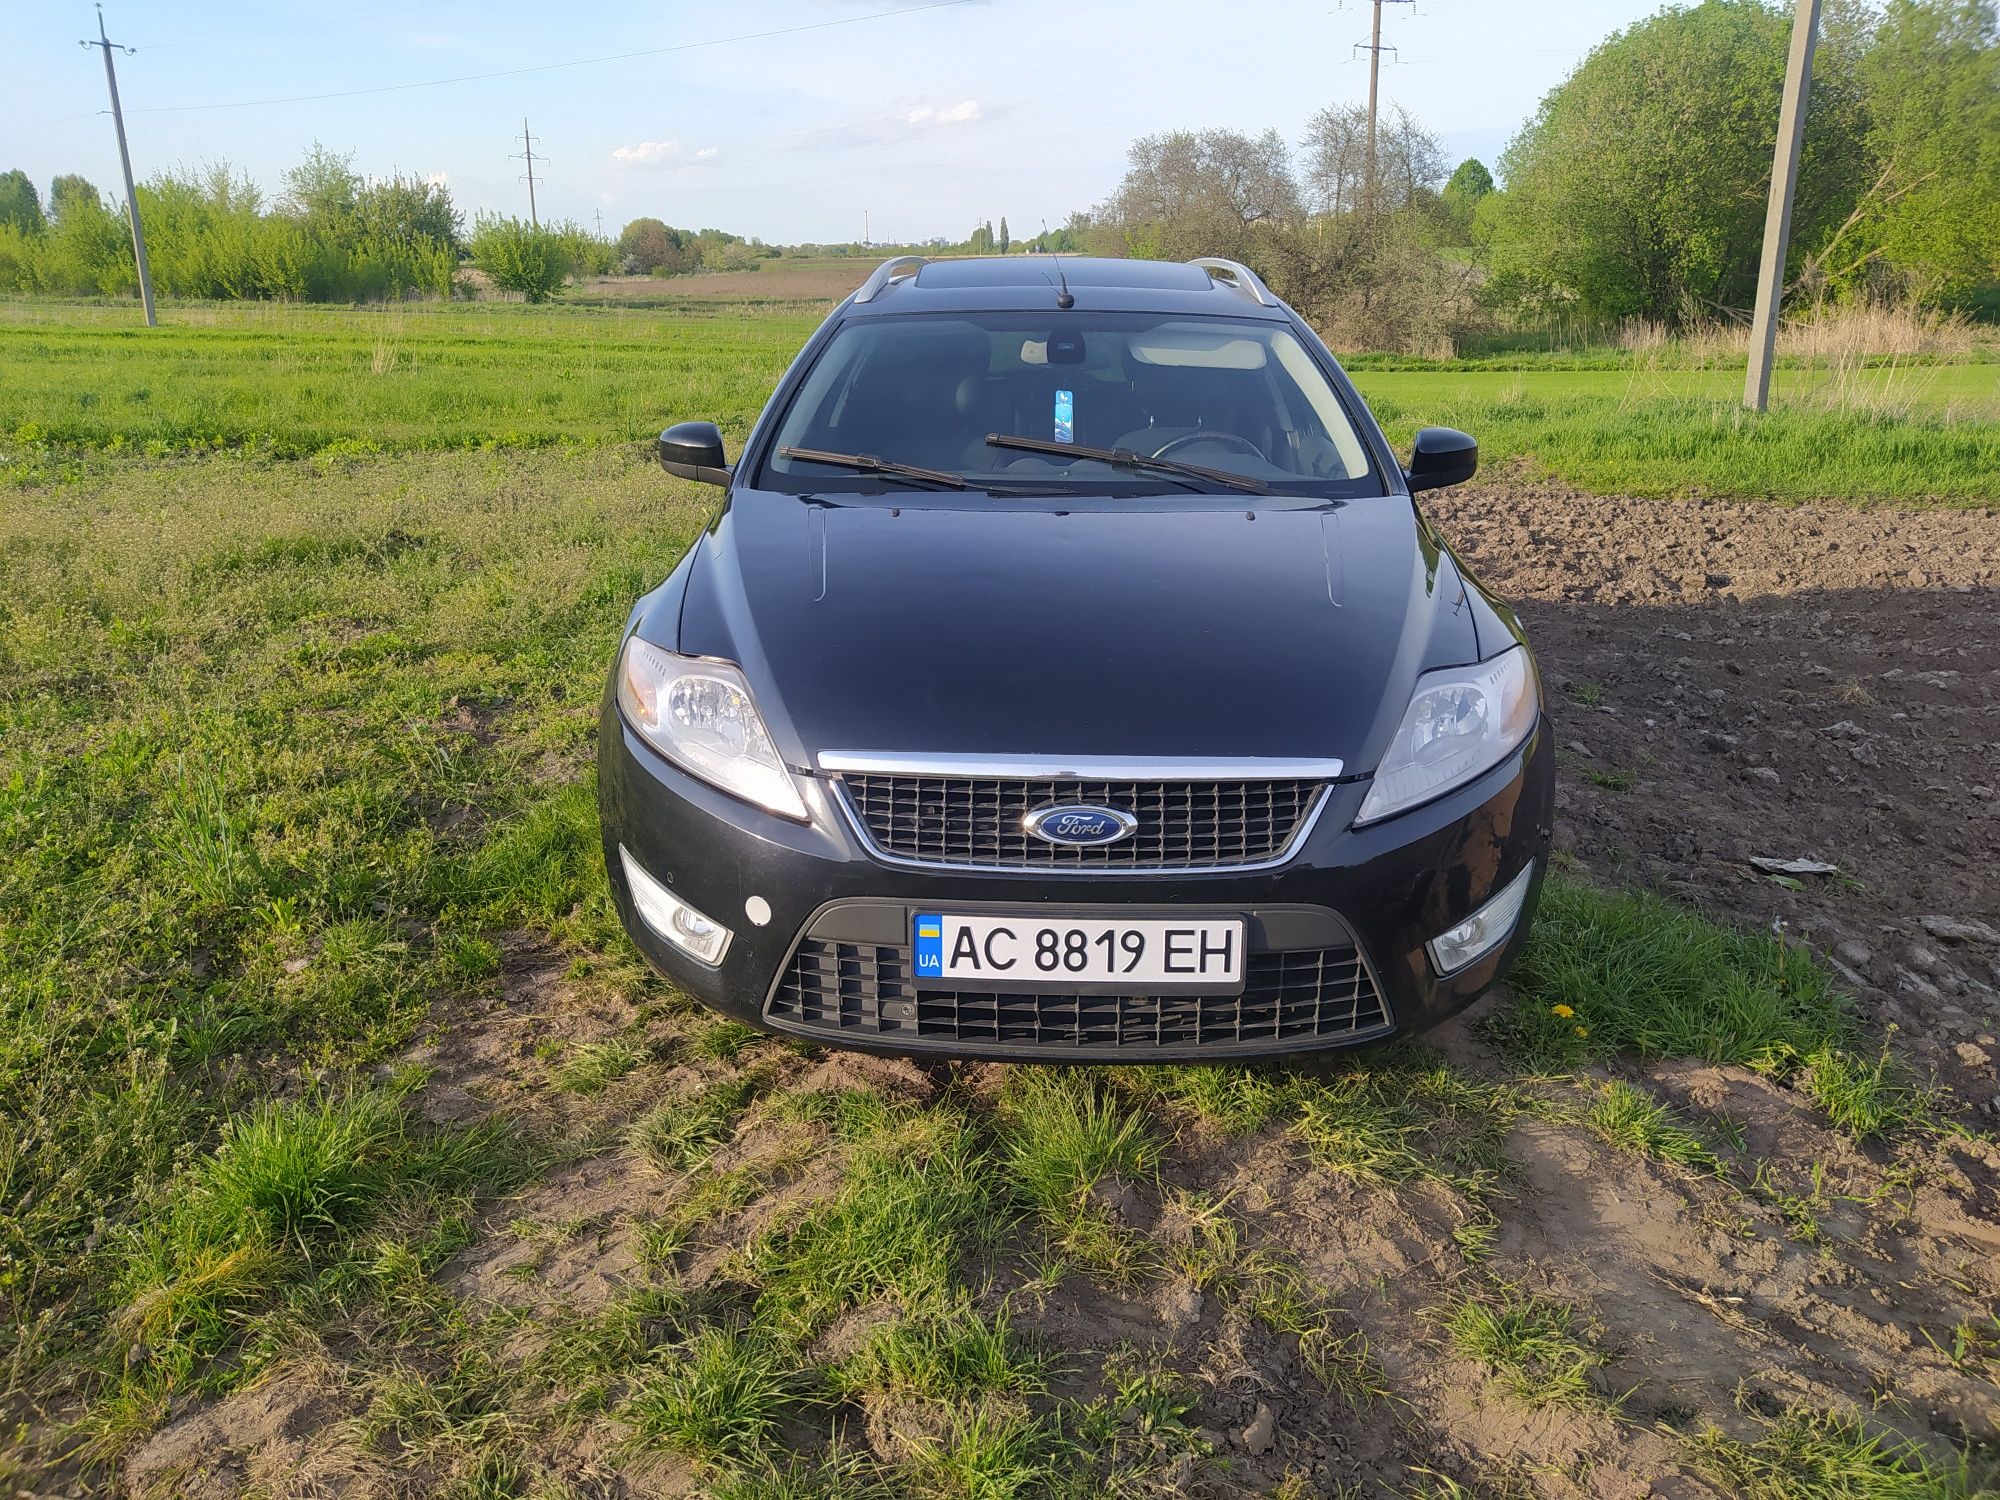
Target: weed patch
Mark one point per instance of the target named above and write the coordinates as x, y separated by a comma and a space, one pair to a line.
1527, 1344
1606, 971
1811, 1455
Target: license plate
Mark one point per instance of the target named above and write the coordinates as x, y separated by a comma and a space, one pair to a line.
1104, 953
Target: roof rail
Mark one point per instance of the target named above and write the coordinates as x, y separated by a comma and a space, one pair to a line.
1238, 278
888, 271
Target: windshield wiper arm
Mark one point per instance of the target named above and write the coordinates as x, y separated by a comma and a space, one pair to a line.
1125, 458
868, 463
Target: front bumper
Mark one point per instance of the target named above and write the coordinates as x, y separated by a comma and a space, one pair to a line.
1377, 893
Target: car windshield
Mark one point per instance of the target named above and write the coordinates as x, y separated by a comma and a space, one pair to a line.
1236, 397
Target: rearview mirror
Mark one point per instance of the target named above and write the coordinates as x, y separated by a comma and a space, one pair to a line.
693, 450
1442, 456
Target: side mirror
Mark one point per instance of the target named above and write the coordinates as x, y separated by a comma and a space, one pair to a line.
693, 450
1442, 456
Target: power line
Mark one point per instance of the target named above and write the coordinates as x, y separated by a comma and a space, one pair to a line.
527, 154
269, 33
1374, 48
581, 62
125, 161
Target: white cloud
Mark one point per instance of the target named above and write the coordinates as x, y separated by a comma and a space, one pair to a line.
646, 151
704, 153
955, 114
437, 179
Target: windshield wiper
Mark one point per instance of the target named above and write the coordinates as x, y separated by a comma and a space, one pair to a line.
1125, 458
868, 463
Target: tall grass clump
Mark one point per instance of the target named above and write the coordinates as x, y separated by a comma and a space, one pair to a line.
1814, 1455
284, 1194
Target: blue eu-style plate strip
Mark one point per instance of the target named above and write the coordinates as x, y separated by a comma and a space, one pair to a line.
930, 945
1065, 416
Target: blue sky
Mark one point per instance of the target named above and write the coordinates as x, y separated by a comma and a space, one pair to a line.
931, 120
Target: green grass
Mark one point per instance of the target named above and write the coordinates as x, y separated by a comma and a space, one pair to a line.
292, 381
682, 1134
951, 1353
595, 1066
254, 721
1609, 971
1528, 1344
916, 1200
1677, 433
1633, 1120
1810, 1455
717, 1398
294, 1197
1065, 1135
295, 381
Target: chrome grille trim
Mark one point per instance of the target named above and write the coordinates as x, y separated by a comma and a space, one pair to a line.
1100, 868
1080, 767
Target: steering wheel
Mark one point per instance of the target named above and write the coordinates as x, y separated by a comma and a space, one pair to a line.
1227, 439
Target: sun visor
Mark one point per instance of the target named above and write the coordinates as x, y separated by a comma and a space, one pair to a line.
1191, 344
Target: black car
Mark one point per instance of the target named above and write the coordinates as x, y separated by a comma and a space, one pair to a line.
1068, 674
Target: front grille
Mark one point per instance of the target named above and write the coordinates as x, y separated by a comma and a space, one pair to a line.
865, 990
978, 820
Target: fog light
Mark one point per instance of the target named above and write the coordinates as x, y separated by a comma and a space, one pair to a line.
700, 937
1483, 931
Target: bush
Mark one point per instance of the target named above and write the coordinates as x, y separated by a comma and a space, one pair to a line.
521, 258
209, 234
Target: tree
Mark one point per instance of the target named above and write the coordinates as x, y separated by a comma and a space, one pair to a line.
1409, 160
407, 211
1187, 193
521, 258
646, 246
1928, 223
70, 194
1461, 196
322, 189
1005, 238
1638, 187
20, 204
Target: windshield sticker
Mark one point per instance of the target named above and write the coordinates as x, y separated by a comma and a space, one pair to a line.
1065, 417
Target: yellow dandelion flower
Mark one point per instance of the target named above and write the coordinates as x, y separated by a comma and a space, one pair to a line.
1562, 1011
1583, 1031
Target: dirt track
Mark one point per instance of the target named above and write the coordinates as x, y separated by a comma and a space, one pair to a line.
1759, 681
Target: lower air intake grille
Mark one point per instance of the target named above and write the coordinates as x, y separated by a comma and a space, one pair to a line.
865, 990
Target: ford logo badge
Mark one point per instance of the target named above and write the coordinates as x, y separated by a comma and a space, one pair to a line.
1075, 825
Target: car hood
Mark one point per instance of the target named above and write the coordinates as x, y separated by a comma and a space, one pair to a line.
1177, 628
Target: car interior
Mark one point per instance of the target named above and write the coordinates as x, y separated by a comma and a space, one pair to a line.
929, 392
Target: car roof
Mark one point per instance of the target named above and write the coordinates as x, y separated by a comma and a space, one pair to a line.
1030, 283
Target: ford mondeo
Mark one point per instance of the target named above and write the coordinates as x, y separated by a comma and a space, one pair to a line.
1068, 672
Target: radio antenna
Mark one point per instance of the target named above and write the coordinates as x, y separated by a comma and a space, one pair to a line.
1064, 299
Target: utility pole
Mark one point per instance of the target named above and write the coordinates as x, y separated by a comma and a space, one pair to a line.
600, 222
1374, 48
865, 241
125, 160
527, 154
1778, 215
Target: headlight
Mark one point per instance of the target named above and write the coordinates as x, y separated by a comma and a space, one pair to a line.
1461, 723
698, 714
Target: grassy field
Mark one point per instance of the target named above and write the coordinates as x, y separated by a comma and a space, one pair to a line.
294, 787
290, 382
